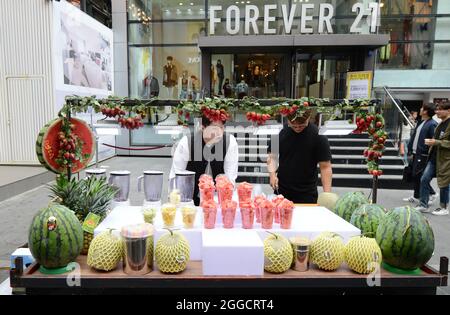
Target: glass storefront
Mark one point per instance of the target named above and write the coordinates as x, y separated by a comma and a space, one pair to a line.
411, 26
167, 72
165, 61
255, 75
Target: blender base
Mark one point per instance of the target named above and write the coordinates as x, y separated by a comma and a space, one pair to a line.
150, 204
115, 204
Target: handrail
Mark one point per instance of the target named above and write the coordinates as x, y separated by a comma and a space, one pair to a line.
398, 107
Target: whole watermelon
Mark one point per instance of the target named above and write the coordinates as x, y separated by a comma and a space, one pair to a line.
405, 238
367, 218
55, 237
348, 203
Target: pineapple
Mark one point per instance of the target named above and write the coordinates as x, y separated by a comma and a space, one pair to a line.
83, 197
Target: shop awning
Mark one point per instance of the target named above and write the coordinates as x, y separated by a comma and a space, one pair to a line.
294, 41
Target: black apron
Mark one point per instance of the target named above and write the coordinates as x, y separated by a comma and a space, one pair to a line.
198, 162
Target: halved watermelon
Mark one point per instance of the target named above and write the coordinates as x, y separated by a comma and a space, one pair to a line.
47, 145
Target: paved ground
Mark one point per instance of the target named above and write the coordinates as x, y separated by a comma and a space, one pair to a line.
17, 212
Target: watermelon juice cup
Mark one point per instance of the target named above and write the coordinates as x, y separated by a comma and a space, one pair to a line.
258, 201
225, 192
206, 191
229, 213
277, 201
248, 215
267, 213
205, 179
209, 214
286, 211
244, 193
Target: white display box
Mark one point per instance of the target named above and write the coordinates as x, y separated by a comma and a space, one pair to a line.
232, 253
123, 216
307, 222
26, 255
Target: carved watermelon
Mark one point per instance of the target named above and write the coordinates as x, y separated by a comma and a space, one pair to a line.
47, 145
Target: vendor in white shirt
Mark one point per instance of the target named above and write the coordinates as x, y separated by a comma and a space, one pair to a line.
210, 151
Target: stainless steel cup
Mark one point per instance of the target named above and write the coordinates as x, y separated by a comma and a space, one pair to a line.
301, 258
153, 183
138, 258
121, 180
301, 248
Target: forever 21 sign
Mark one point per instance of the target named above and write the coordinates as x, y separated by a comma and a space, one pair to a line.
252, 14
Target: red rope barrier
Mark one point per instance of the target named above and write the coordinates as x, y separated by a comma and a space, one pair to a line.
138, 149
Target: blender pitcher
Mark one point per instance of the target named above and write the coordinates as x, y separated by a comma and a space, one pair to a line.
184, 182
121, 180
153, 183
96, 172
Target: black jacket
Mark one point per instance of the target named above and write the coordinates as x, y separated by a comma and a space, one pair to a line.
427, 132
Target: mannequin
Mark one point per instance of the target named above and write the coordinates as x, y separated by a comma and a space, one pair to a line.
170, 76
213, 80
184, 83
194, 87
242, 89
151, 86
220, 74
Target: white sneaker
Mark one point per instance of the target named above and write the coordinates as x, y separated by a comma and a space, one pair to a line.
440, 211
423, 209
433, 198
411, 199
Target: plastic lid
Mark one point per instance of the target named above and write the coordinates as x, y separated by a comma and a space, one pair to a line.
120, 173
300, 241
142, 230
153, 173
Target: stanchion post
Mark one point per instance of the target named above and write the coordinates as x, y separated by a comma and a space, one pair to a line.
69, 169
374, 189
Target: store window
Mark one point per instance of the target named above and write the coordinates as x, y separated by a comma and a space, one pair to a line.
160, 10
167, 72
413, 28
256, 75
166, 33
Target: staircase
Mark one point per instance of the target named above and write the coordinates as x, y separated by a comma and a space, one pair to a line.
349, 164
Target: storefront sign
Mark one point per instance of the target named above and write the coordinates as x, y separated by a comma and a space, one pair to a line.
359, 84
306, 12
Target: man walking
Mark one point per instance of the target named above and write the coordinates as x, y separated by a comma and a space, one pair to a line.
419, 150
438, 164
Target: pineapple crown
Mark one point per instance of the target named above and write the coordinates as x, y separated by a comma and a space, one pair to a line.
83, 196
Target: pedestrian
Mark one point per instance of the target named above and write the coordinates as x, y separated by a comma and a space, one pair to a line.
438, 164
418, 150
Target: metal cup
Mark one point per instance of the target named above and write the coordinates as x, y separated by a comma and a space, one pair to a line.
153, 183
121, 180
301, 250
138, 259
96, 172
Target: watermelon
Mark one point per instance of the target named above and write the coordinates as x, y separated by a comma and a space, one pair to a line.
55, 237
405, 238
47, 145
348, 203
367, 218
